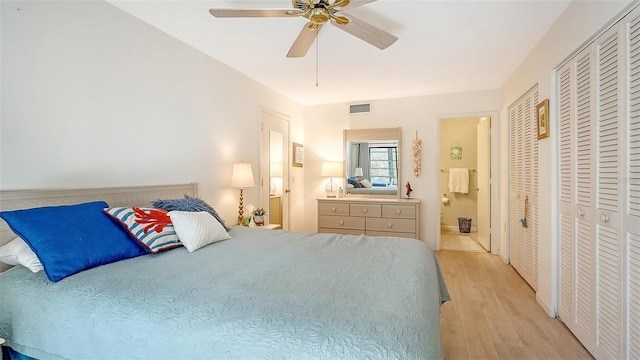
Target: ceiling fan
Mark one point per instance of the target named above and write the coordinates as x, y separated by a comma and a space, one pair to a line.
319, 12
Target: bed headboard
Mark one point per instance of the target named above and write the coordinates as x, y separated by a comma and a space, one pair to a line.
117, 196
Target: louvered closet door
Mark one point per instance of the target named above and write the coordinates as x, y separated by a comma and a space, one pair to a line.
631, 229
599, 192
609, 197
523, 186
516, 254
566, 199
577, 250
583, 210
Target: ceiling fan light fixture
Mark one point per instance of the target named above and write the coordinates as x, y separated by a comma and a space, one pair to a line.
319, 15
341, 20
339, 3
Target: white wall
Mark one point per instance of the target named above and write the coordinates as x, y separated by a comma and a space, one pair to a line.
578, 23
94, 97
323, 141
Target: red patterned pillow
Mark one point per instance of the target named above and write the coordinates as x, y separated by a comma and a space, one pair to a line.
151, 228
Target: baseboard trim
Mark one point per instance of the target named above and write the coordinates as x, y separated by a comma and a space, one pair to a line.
550, 310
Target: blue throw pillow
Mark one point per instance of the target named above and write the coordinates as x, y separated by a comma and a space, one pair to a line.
188, 204
72, 238
353, 181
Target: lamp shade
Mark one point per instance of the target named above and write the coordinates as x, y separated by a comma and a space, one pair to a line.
276, 169
358, 172
332, 169
242, 176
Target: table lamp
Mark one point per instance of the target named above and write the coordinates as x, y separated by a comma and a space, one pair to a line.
242, 178
331, 169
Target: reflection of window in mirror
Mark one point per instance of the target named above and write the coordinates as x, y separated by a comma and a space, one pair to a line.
383, 165
373, 162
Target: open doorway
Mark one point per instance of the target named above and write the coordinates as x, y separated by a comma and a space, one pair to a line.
465, 184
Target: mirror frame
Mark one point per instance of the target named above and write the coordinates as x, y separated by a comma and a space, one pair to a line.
369, 135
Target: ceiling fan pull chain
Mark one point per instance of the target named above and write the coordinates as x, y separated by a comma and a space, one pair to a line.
317, 51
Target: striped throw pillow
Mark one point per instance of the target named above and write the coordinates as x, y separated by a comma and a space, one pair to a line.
151, 228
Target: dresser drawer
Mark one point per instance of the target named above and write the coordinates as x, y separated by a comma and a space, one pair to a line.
333, 209
341, 222
366, 210
399, 211
341, 231
391, 225
391, 233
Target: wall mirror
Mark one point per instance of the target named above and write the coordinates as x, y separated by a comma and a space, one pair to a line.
373, 162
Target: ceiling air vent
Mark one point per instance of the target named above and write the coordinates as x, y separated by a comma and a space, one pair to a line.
360, 109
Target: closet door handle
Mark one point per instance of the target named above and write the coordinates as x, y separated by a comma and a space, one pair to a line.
580, 212
604, 218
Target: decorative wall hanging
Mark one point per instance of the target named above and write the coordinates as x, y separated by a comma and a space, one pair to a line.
417, 156
298, 155
456, 152
409, 190
542, 111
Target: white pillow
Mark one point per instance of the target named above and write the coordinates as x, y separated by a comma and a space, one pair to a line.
350, 186
197, 229
17, 252
365, 183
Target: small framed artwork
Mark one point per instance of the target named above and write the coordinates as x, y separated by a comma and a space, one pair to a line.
542, 116
298, 155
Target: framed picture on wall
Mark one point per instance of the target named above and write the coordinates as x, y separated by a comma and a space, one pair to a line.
542, 116
298, 155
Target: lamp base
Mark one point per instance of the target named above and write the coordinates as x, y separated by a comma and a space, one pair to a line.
240, 209
331, 189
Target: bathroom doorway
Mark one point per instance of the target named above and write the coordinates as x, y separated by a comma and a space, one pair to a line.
465, 184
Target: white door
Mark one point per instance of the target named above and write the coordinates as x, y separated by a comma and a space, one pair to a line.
483, 177
523, 187
274, 174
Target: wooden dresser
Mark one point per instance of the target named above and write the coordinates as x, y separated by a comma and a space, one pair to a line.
377, 217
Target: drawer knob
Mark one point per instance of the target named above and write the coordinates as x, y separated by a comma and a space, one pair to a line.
364, 210
389, 225
341, 222
398, 211
333, 209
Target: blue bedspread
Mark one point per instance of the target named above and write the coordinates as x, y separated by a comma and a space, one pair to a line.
261, 295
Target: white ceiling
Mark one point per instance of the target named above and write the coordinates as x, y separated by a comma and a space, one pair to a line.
443, 47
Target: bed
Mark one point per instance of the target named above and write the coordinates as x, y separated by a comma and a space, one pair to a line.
262, 294
374, 190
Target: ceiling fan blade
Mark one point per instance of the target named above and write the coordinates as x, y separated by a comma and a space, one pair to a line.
350, 4
304, 41
367, 32
224, 13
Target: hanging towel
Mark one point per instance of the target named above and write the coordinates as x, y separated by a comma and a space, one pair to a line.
459, 180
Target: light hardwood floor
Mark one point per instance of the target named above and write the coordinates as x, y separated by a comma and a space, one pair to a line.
493, 314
